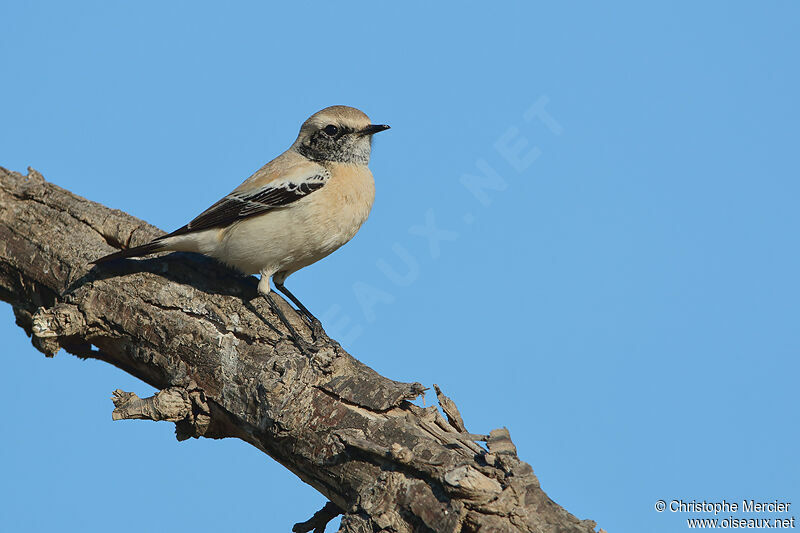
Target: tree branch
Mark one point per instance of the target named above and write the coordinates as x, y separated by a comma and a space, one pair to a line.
225, 367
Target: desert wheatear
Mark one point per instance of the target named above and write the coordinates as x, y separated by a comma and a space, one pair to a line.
293, 211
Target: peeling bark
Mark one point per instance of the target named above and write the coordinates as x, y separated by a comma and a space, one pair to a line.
226, 367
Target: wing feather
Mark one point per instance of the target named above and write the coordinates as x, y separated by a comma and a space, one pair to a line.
242, 204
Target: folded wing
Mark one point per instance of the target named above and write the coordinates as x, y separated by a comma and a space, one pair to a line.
250, 202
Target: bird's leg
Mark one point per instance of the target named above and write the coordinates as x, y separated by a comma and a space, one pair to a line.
263, 290
306, 313
316, 325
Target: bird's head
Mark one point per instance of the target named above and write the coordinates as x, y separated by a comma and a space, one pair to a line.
337, 133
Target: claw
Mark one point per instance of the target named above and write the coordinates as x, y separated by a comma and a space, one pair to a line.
318, 331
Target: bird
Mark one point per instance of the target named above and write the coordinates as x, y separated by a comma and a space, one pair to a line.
295, 210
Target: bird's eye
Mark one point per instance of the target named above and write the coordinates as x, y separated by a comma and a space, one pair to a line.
331, 130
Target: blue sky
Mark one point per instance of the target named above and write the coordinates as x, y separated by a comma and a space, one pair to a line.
624, 297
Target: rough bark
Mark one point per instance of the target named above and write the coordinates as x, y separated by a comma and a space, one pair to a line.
225, 367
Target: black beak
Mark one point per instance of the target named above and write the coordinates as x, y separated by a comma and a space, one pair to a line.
373, 129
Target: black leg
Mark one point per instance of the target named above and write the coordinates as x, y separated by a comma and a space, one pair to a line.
311, 318
305, 346
316, 325
257, 312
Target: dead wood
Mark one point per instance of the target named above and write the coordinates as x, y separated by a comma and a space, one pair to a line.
225, 367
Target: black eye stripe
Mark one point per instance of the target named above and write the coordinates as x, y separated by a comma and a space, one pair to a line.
344, 146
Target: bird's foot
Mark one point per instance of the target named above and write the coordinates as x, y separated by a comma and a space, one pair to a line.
318, 332
308, 348
319, 338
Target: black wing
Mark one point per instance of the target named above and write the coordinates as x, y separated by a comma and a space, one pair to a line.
239, 205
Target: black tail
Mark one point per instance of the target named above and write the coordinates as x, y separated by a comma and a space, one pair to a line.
136, 251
